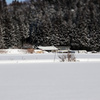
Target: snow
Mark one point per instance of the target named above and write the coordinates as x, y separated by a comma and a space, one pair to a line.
72, 10
13, 51
23, 57
47, 48
50, 81
25, 76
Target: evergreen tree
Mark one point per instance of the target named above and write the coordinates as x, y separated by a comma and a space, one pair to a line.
75, 23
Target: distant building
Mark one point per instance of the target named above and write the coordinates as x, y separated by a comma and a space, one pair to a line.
63, 47
48, 48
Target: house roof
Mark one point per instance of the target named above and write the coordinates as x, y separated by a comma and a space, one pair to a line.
47, 48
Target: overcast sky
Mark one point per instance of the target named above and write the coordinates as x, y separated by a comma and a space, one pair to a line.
9, 1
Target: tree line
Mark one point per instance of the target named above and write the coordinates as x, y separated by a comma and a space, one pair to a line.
74, 23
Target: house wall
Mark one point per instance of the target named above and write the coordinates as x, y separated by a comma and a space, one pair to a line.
63, 47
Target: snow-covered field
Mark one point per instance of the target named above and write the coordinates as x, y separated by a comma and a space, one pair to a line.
44, 77
46, 57
50, 81
22, 56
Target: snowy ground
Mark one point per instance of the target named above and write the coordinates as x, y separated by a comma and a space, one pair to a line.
50, 81
22, 56
44, 77
46, 57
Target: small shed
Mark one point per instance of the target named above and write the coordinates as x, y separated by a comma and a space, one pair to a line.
82, 51
48, 48
63, 47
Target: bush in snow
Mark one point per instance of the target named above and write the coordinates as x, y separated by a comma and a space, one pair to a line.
69, 57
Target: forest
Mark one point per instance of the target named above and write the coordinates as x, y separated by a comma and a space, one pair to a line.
74, 23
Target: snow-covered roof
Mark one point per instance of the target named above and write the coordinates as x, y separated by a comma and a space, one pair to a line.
47, 48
